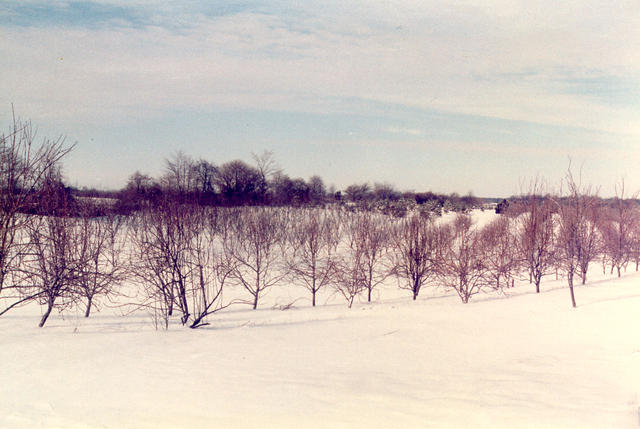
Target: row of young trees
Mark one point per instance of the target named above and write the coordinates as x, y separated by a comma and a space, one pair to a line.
191, 260
182, 257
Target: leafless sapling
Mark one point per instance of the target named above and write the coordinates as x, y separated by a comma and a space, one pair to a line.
573, 238
210, 267
462, 266
102, 268
55, 252
535, 233
417, 246
161, 236
371, 232
256, 242
499, 251
616, 229
314, 236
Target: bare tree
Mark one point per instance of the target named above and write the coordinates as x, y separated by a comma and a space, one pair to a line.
266, 165
462, 266
256, 242
590, 237
55, 252
499, 249
418, 244
358, 192
205, 173
24, 165
617, 228
180, 175
161, 236
139, 183
210, 268
314, 237
102, 267
317, 189
179, 261
635, 239
535, 233
239, 182
53, 264
267, 168
575, 231
350, 268
367, 235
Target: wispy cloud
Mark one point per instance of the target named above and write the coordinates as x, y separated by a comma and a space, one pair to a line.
250, 55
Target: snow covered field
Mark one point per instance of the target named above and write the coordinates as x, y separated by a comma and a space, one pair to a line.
515, 360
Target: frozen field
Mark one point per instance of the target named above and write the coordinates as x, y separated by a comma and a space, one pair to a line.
520, 360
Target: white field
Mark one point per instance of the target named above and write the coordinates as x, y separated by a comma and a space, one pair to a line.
513, 360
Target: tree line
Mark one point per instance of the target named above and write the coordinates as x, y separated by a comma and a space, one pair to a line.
178, 257
262, 182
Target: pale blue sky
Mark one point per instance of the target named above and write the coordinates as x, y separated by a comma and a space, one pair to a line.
427, 95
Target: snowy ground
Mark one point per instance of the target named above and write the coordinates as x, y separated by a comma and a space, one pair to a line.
517, 360
522, 360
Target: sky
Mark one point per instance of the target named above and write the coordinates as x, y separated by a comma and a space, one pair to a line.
448, 96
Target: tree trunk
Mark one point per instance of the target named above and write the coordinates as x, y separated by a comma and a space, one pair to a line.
313, 283
46, 314
255, 299
257, 294
416, 289
89, 302
573, 298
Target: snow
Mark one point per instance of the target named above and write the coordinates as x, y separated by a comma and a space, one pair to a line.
512, 360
